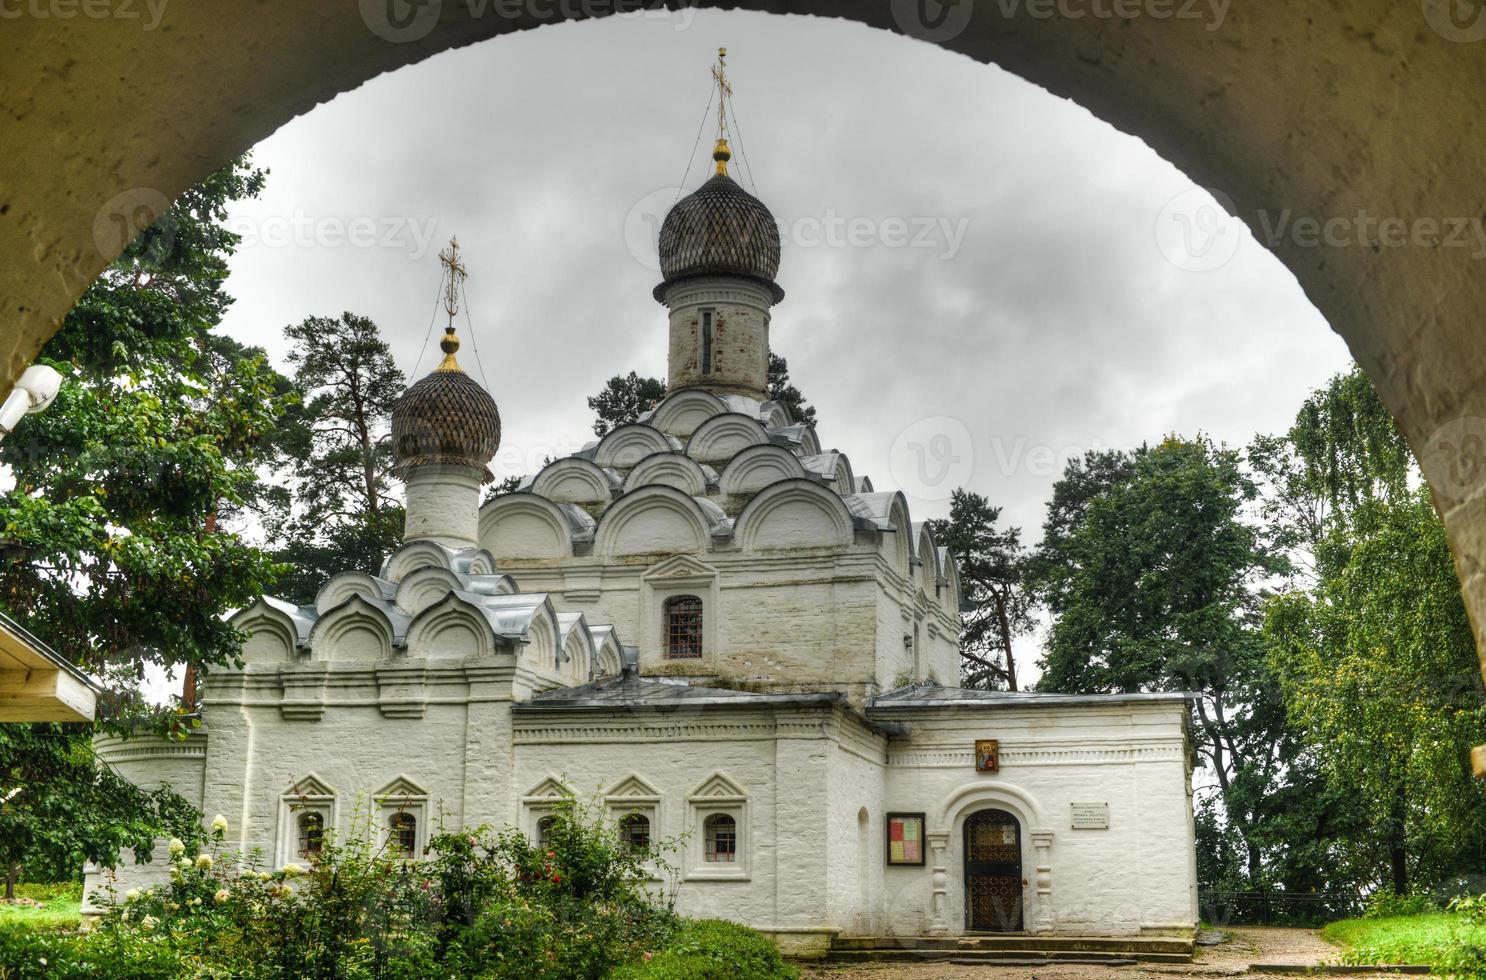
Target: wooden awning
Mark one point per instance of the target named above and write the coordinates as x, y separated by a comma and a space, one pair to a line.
36, 684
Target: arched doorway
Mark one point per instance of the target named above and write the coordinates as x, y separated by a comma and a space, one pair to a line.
993, 872
159, 109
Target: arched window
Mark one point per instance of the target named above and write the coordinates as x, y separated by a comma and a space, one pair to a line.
682, 615
403, 833
311, 834
544, 830
720, 833
634, 832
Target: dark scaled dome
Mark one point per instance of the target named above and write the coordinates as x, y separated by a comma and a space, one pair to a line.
719, 229
446, 419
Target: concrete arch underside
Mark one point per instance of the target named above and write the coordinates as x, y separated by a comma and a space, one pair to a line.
1324, 109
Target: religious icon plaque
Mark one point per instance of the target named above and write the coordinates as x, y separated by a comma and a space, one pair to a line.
905, 839
987, 755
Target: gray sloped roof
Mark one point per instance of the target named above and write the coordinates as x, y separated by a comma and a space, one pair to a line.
934, 696
633, 691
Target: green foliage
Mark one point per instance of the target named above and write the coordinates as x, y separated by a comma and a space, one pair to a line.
580, 905
1153, 576
1386, 904
62, 807
115, 534
335, 454
780, 390
1453, 943
44, 906
711, 950
1379, 670
623, 399
26, 954
992, 567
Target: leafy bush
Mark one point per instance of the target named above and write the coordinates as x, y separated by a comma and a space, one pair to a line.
26, 954
491, 906
711, 950
1384, 904
581, 905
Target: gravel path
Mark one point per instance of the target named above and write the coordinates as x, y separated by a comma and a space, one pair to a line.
1245, 946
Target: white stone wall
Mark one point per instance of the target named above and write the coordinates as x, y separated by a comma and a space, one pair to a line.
811, 620
1138, 875
811, 786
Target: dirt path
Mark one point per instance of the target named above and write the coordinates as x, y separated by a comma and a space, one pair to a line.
1245, 946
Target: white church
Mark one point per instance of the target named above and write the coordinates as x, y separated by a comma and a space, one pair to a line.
714, 627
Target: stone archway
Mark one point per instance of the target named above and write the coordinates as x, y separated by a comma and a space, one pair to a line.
1340, 111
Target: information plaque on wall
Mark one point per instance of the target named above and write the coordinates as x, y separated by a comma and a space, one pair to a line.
1090, 816
905, 839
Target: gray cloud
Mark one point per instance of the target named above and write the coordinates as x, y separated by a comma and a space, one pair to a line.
1056, 326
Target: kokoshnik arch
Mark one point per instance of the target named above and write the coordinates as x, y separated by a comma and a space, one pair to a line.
1327, 109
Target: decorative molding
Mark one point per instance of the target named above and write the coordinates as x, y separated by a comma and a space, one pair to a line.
964, 757
402, 691
938, 841
632, 789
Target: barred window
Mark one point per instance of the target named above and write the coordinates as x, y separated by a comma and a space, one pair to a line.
544, 830
403, 835
720, 832
682, 615
634, 831
311, 834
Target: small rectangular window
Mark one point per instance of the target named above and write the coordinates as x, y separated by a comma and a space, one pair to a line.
706, 341
721, 835
683, 627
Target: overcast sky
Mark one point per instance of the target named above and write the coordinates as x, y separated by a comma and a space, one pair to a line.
976, 283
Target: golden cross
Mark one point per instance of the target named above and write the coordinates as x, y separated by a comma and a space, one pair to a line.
450, 258
724, 91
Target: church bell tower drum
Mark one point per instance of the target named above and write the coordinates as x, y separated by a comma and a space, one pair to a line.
719, 254
445, 430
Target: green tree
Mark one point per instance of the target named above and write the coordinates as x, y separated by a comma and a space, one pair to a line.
117, 552
1379, 669
623, 399
60, 807
1372, 643
780, 390
1153, 578
992, 564
337, 454
1343, 450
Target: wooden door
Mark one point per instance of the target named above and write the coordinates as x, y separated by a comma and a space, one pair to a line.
993, 872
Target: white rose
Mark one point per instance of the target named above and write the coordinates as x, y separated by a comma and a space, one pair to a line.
204, 861
177, 847
219, 824
291, 869
148, 923
132, 895
222, 896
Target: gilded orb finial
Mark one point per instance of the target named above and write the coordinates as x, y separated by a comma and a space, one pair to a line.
720, 152
449, 345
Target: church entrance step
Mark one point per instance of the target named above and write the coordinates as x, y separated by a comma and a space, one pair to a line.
1025, 949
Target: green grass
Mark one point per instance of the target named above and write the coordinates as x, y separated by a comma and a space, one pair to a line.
1405, 939
58, 908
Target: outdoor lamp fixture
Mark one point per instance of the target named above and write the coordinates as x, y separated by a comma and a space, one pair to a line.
36, 389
